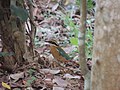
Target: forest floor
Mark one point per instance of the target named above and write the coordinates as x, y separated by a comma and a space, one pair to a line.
44, 73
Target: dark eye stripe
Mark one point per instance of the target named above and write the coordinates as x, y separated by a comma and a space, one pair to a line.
53, 43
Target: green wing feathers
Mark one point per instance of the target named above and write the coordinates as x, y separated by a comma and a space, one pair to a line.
63, 53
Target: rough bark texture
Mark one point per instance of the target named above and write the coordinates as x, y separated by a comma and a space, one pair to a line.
6, 36
12, 35
106, 51
33, 29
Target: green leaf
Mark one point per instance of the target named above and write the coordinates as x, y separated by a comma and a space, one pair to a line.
31, 71
31, 80
19, 12
71, 24
74, 41
89, 4
76, 32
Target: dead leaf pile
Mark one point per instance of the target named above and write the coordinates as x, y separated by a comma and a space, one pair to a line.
44, 73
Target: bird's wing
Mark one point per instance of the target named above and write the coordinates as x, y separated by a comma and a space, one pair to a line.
63, 53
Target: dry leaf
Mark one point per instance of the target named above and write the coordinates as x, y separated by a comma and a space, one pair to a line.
60, 82
29, 88
5, 85
67, 2
50, 71
17, 76
70, 76
55, 7
58, 88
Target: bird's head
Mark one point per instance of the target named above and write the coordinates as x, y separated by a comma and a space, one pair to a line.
53, 42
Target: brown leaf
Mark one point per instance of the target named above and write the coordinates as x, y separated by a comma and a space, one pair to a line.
17, 76
60, 82
48, 80
50, 71
71, 77
58, 88
55, 7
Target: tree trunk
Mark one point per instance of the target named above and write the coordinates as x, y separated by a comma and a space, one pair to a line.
83, 63
106, 50
12, 36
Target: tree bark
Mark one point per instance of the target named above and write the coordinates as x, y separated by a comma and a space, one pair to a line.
12, 36
106, 50
33, 29
81, 36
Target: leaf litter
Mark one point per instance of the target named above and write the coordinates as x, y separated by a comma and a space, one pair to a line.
44, 73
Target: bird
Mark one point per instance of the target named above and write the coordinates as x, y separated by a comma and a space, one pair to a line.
58, 53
